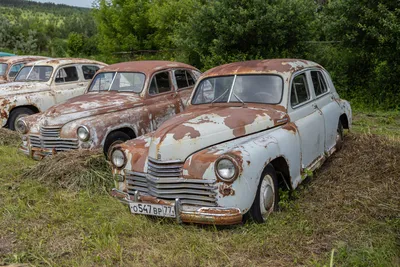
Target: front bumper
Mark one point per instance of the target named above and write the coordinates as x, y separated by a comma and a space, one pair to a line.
201, 215
36, 153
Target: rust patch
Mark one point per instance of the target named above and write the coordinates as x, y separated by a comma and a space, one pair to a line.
186, 131
291, 127
199, 163
226, 190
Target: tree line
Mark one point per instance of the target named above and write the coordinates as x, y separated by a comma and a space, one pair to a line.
358, 41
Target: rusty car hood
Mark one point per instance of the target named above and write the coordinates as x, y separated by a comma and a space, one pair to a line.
200, 127
16, 88
90, 104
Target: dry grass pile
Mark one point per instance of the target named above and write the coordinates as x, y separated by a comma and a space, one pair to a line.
76, 169
9, 138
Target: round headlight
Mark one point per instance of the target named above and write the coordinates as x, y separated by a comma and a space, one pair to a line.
21, 126
118, 158
226, 169
83, 133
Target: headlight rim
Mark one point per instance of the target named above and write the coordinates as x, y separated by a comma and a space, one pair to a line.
25, 125
235, 164
88, 133
112, 161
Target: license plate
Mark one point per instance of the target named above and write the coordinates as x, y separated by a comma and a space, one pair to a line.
153, 209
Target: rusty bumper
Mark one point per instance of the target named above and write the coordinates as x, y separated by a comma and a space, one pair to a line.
202, 215
36, 153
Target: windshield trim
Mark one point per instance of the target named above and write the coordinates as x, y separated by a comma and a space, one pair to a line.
116, 72
231, 90
33, 66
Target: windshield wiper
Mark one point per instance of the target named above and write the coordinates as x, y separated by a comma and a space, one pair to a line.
223, 94
238, 98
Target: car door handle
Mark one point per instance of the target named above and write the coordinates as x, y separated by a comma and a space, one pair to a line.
315, 106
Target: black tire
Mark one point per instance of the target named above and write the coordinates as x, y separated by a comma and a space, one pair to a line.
16, 114
255, 210
339, 136
113, 139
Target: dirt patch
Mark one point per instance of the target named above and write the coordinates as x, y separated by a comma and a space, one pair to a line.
9, 138
6, 244
74, 170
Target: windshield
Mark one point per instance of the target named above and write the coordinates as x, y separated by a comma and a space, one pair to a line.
266, 89
3, 68
37, 73
118, 81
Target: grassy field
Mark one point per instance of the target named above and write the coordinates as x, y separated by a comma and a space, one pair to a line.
347, 214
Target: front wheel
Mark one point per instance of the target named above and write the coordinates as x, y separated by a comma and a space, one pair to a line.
16, 114
267, 197
114, 139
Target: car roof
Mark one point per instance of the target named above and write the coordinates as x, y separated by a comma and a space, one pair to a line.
64, 61
267, 66
15, 59
147, 67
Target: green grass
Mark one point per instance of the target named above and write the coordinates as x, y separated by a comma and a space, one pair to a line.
344, 208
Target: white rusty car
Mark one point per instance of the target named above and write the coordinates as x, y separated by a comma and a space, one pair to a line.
124, 100
42, 84
10, 66
251, 127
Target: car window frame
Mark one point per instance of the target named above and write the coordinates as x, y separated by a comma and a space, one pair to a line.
190, 73
326, 83
71, 82
48, 81
11, 66
310, 93
93, 65
173, 88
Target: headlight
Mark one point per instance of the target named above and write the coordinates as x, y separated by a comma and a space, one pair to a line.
118, 158
226, 169
21, 126
83, 133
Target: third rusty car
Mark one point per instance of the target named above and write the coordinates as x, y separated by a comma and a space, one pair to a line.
10, 66
124, 101
250, 128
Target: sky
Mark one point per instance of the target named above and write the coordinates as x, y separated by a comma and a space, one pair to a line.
81, 3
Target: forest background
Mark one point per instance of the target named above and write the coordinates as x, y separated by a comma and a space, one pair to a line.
357, 41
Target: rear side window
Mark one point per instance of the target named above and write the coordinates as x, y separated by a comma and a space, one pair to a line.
89, 71
183, 79
299, 91
68, 74
319, 83
160, 83
14, 69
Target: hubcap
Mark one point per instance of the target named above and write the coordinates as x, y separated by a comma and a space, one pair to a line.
267, 196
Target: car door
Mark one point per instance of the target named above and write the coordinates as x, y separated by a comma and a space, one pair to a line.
308, 118
68, 82
162, 100
329, 107
184, 82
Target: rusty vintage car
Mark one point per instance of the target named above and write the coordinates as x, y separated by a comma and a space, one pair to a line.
250, 128
124, 100
10, 66
42, 84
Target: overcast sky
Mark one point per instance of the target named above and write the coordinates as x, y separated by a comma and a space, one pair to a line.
81, 3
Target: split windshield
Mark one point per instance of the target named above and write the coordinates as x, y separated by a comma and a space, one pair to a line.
266, 89
118, 81
3, 68
35, 73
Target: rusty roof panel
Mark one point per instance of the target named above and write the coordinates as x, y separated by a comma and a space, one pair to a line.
16, 59
65, 61
261, 66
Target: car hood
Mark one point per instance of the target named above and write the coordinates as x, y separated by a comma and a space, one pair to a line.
90, 104
200, 127
16, 88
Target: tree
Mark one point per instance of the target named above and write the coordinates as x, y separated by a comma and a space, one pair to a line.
75, 44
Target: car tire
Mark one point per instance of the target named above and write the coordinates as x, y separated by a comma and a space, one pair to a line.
339, 136
16, 114
267, 196
113, 139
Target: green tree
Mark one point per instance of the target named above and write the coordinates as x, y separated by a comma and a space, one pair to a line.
75, 44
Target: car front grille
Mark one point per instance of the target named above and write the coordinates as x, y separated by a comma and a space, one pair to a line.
164, 181
49, 138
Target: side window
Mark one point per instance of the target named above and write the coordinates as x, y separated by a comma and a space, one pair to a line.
319, 83
68, 74
160, 83
299, 92
89, 71
14, 70
183, 78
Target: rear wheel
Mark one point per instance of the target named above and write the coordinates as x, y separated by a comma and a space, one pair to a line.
113, 139
339, 136
16, 114
267, 197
